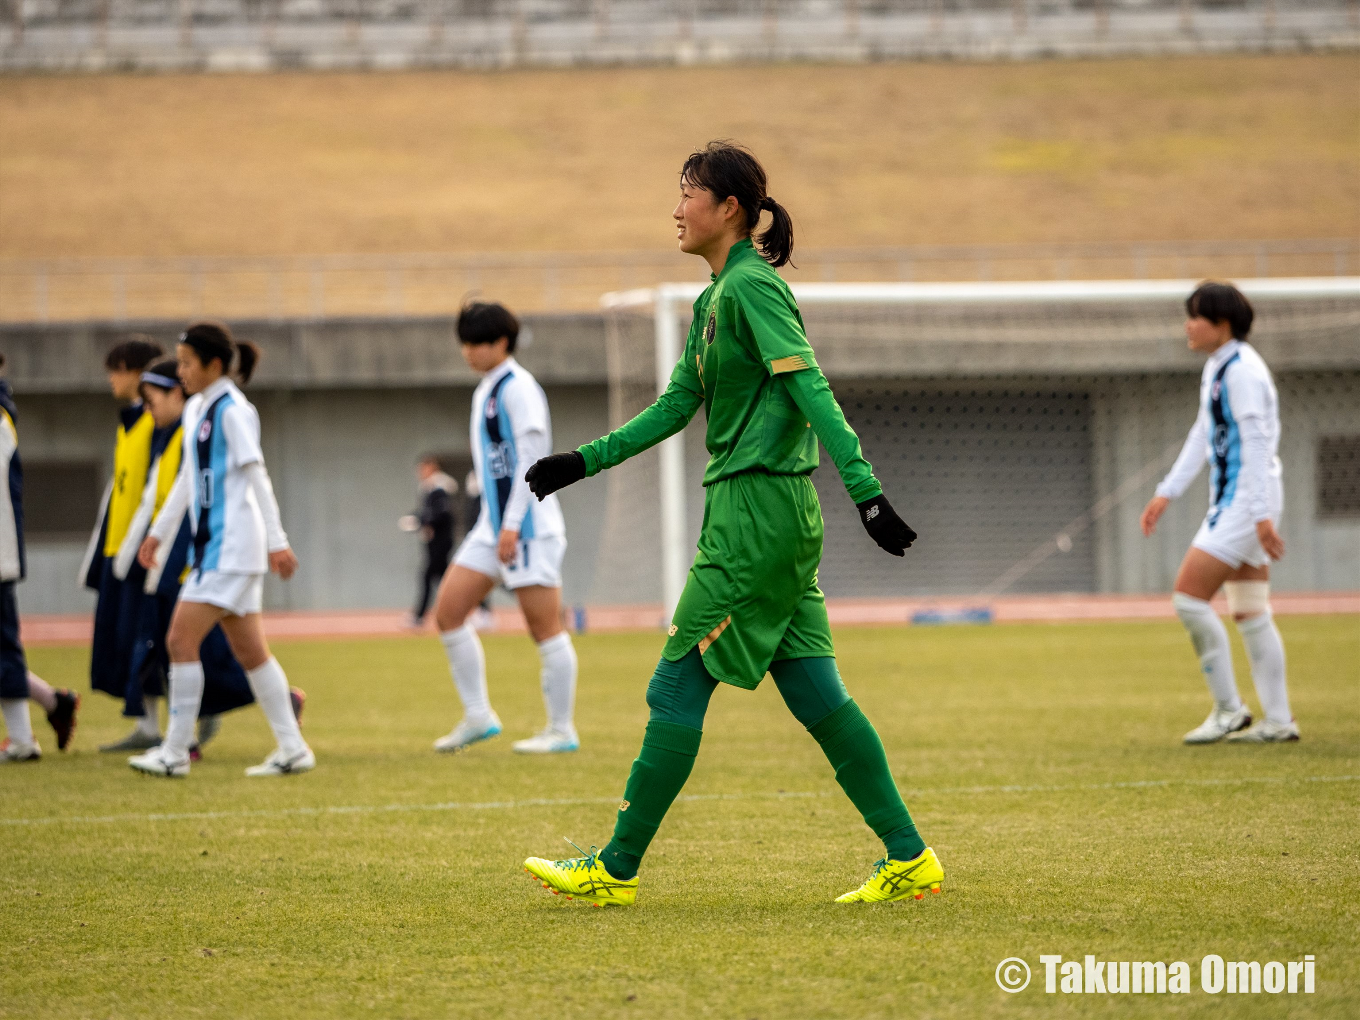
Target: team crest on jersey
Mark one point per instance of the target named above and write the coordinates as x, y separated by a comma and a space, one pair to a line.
205, 430
1217, 389
491, 406
711, 329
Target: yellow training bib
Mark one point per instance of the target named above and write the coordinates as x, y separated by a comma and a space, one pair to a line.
131, 461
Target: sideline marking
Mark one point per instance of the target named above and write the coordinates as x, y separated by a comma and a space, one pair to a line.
508, 805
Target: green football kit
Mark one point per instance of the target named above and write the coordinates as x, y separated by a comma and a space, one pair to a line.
751, 604
751, 597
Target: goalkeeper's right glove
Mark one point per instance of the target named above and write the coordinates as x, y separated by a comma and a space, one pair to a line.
554, 472
880, 520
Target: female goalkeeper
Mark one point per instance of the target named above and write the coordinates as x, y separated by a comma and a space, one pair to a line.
751, 602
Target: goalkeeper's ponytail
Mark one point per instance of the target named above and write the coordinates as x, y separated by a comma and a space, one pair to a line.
726, 169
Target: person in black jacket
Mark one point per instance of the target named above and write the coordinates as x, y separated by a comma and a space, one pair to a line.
434, 521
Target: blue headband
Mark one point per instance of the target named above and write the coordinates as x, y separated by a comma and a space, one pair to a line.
163, 381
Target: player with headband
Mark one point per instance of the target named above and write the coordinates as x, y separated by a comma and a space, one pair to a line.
237, 538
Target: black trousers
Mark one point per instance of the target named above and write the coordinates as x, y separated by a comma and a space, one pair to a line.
436, 562
13, 666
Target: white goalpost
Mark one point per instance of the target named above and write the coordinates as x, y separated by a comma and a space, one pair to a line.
893, 341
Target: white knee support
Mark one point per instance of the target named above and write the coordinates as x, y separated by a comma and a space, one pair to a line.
1247, 598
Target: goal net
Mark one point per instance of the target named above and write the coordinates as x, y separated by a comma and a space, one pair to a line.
1019, 427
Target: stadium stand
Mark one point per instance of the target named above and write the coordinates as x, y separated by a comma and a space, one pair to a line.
278, 34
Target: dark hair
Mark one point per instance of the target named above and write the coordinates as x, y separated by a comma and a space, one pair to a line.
727, 169
1222, 302
485, 322
213, 341
133, 354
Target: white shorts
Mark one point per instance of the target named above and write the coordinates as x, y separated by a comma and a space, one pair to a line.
238, 594
1231, 538
538, 561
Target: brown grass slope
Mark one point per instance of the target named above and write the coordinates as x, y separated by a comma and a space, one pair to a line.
1231, 147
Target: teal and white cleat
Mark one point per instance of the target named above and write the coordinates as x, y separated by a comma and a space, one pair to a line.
1266, 732
280, 763
160, 762
1219, 725
11, 751
549, 741
467, 733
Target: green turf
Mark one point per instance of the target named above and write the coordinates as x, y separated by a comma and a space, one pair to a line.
273, 899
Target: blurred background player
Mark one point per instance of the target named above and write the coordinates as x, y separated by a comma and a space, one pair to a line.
434, 521
519, 544
237, 538
17, 685
751, 603
225, 686
118, 606
1237, 431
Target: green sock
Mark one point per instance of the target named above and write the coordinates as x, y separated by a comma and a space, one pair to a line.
904, 844
659, 773
851, 744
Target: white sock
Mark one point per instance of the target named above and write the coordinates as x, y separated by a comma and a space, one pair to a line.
467, 662
1210, 639
16, 720
41, 691
150, 722
270, 686
186, 694
1265, 652
558, 680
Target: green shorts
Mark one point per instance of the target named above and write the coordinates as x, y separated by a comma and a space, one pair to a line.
752, 597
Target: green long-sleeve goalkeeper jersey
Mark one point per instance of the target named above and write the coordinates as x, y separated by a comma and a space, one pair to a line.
748, 361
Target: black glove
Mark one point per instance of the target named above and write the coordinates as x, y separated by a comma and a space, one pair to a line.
554, 472
880, 520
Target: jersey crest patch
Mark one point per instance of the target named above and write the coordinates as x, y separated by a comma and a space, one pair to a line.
711, 329
205, 430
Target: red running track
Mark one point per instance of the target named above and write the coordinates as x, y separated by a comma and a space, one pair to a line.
75, 630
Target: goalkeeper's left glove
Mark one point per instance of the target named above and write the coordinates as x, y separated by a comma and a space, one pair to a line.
880, 520
555, 472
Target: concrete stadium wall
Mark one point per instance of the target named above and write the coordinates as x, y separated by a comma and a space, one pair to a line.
987, 467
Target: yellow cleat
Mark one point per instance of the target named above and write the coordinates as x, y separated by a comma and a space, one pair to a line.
583, 878
896, 880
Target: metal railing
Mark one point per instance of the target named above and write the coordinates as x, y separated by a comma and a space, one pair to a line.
317, 287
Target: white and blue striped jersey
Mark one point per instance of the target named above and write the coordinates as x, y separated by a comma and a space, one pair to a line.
1237, 431
510, 430
222, 437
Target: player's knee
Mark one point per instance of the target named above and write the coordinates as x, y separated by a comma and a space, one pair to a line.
1247, 599
180, 644
449, 614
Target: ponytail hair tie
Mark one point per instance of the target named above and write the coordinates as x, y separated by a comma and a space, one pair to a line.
768, 204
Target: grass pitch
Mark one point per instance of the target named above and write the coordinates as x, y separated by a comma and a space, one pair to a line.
1042, 762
